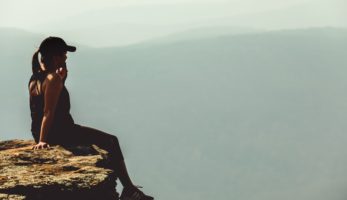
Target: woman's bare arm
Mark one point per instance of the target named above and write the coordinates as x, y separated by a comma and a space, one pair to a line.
51, 89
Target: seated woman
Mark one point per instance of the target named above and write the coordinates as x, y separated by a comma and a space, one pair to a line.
52, 122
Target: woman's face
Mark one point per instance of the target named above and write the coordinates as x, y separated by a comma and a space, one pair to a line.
60, 65
60, 60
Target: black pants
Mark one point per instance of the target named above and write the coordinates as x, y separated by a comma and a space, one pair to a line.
79, 134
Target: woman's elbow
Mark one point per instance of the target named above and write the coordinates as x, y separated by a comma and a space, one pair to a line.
48, 114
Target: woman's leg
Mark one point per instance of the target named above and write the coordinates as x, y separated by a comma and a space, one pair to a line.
86, 135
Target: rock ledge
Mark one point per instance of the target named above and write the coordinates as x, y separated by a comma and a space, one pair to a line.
61, 172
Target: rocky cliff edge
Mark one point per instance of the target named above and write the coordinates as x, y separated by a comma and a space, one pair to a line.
61, 172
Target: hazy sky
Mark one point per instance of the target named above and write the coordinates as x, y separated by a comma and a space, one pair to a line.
27, 14
117, 23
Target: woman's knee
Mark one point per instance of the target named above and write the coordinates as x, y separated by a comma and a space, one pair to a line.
114, 139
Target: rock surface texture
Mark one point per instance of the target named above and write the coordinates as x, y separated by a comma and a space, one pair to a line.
64, 173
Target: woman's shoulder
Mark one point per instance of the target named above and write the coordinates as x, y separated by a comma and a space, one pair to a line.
52, 76
53, 80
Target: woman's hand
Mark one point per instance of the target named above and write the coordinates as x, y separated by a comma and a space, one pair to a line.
41, 145
62, 72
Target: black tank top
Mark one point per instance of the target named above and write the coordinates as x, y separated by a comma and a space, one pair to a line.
62, 120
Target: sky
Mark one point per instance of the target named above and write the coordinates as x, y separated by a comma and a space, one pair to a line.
28, 14
107, 23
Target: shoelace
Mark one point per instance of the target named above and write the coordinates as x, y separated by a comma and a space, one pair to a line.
135, 195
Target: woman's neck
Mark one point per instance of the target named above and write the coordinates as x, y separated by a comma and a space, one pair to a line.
49, 70
48, 67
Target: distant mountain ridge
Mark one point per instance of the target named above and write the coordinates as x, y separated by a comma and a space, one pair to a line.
11, 38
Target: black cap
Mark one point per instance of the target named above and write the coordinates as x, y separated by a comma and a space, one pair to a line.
55, 45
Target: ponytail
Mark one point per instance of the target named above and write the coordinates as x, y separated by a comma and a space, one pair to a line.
35, 63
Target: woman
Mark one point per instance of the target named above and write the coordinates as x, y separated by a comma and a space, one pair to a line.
52, 122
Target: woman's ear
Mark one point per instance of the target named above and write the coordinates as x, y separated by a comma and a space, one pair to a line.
55, 60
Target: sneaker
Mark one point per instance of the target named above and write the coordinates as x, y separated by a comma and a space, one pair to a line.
134, 193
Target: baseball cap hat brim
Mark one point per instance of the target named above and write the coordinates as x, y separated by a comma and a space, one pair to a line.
70, 48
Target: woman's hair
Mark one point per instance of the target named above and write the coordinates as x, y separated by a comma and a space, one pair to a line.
46, 59
35, 63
